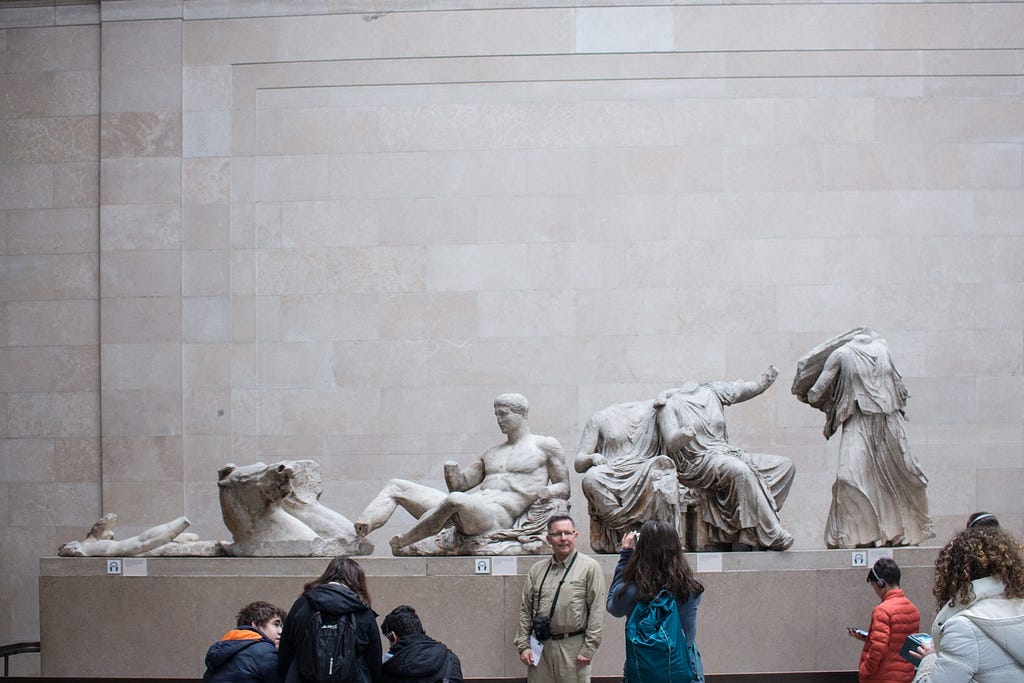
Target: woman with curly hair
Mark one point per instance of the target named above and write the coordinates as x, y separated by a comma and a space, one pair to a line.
652, 561
979, 630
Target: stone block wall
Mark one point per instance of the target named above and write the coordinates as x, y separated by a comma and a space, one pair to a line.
336, 230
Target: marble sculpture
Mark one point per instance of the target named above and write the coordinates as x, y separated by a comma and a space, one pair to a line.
498, 505
741, 493
168, 537
880, 493
274, 510
627, 479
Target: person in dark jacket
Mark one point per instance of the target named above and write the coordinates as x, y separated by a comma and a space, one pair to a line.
414, 657
247, 653
340, 590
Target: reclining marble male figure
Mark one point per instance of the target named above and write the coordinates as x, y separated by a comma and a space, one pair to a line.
489, 495
99, 542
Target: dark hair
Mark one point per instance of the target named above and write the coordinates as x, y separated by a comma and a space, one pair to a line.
345, 571
885, 573
973, 554
258, 613
402, 621
554, 519
658, 562
982, 519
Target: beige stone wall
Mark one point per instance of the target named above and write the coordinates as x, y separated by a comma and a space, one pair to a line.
336, 230
49, 297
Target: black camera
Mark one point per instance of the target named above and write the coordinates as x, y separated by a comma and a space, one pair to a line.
542, 627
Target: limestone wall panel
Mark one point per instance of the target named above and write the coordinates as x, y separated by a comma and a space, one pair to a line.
52, 414
686, 355
206, 365
27, 186
402, 362
127, 89
206, 88
205, 273
141, 44
1001, 399
205, 226
977, 352
834, 305
27, 460
75, 184
141, 134
49, 368
131, 320
54, 323
916, 167
64, 48
145, 227
318, 317
137, 367
206, 412
143, 458
141, 180
30, 277
26, 95
77, 459
141, 273
205, 319
348, 409
147, 412
295, 365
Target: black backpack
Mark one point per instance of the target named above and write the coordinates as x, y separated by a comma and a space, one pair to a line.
327, 653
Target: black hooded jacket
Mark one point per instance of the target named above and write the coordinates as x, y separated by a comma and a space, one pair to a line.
243, 655
331, 598
417, 658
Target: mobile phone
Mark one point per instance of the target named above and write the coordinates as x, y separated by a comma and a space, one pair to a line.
859, 631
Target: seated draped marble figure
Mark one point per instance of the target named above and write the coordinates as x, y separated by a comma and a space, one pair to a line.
275, 511
741, 492
498, 505
627, 479
880, 493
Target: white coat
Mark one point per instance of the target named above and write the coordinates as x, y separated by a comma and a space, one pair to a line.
982, 642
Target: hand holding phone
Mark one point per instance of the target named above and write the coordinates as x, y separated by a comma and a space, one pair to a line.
858, 633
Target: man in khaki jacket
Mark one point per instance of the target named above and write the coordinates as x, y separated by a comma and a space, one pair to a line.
576, 614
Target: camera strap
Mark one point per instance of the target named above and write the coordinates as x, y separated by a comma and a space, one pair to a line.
557, 590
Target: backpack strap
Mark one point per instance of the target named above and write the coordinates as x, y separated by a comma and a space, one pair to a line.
448, 670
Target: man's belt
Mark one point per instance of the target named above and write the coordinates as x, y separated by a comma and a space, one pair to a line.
560, 636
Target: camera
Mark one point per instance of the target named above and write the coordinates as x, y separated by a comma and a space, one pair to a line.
542, 627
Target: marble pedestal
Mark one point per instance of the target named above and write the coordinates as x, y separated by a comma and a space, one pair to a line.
783, 611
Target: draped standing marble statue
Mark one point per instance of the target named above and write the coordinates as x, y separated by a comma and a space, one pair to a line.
879, 496
743, 492
499, 504
627, 479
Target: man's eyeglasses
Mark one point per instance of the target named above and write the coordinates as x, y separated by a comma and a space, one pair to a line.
561, 534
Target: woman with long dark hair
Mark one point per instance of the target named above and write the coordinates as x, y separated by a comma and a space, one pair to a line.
652, 561
336, 594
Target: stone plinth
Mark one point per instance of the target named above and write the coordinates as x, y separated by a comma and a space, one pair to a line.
785, 611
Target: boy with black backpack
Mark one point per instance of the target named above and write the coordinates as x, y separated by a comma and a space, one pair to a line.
330, 634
